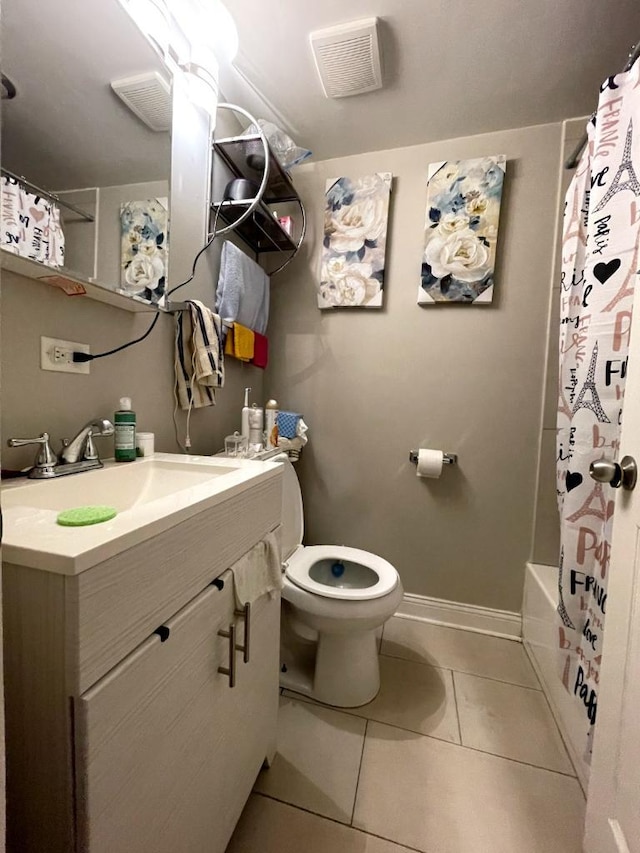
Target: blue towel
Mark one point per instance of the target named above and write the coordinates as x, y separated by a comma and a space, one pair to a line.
288, 424
243, 290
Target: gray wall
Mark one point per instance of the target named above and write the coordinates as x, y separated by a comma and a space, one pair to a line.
373, 384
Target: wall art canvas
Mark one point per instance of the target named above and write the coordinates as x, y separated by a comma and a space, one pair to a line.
461, 230
144, 253
355, 238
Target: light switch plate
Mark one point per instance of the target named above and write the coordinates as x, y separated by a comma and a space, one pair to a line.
57, 355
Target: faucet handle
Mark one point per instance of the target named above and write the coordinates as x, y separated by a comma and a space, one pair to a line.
45, 459
90, 451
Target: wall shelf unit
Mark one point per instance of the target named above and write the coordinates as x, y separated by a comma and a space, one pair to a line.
250, 156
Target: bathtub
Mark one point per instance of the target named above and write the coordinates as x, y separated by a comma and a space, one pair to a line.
539, 634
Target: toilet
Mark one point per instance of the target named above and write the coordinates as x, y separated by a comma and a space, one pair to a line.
334, 600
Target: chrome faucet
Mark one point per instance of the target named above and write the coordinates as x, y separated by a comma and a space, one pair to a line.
77, 455
81, 447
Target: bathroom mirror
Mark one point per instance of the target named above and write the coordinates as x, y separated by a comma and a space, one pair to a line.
67, 131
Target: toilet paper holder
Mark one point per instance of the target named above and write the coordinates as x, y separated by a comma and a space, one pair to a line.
447, 458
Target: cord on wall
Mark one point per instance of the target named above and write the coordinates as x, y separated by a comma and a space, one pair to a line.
84, 356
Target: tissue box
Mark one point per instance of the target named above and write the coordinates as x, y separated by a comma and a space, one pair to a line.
288, 424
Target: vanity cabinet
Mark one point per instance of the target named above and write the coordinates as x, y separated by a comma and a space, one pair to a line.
167, 749
123, 735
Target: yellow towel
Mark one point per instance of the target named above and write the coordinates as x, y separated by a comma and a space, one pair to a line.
240, 342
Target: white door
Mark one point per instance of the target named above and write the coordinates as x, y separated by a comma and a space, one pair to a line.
613, 803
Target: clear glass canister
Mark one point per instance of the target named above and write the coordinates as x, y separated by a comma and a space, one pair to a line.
235, 445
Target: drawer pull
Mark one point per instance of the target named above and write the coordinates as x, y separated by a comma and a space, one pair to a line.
163, 632
231, 669
218, 583
246, 615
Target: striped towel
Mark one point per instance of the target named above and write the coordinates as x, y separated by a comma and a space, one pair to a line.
199, 360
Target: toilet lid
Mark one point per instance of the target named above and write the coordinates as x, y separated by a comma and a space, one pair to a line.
292, 512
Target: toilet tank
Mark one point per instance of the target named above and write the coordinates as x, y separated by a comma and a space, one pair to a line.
292, 512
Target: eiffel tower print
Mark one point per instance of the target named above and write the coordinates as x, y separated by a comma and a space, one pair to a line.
575, 227
617, 185
589, 387
562, 610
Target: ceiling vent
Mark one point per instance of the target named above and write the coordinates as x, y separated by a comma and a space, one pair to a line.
348, 58
148, 96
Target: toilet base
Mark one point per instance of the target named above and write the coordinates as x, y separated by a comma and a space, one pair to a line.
347, 672
344, 672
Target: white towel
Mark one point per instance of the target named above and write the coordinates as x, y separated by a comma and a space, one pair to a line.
243, 290
199, 358
259, 570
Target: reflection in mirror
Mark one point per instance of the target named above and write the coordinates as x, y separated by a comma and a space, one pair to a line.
68, 132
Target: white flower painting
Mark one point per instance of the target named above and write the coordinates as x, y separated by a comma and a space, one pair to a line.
461, 230
144, 252
355, 236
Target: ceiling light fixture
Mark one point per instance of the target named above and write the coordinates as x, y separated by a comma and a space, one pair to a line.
193, 35
202, 79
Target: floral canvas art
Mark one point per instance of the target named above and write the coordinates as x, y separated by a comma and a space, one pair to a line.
461, 230
144, 253
355, 237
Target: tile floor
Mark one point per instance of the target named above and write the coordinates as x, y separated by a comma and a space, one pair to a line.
458, 753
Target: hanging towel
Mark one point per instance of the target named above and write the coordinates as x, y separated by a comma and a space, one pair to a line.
11, 212
259, 570
199, 360
260, 350
31, 225
243, 290
240, 342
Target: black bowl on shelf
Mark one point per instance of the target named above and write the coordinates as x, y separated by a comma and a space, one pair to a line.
240, 189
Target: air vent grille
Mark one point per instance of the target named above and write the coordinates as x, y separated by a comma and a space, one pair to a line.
148, 96
348, 58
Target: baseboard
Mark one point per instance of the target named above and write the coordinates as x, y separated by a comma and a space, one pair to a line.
469, 617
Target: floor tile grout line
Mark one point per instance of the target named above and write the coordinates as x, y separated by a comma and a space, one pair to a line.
455, 701
307, 700
355, 796
463, 672
518, 761
339, 822
499, 681
349, 711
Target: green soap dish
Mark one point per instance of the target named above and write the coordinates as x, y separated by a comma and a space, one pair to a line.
82, 515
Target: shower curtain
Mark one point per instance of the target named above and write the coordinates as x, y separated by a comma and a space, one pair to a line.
599, 268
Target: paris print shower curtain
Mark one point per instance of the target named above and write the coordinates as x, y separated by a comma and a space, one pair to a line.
599, 268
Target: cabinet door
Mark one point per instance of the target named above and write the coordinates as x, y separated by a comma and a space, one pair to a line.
155, 740
256, 693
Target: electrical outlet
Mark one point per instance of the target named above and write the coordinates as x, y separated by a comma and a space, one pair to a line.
58, 355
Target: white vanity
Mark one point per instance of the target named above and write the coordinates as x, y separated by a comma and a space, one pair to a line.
123, 732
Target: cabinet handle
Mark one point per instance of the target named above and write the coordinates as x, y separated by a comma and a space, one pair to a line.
231, 669
246, 615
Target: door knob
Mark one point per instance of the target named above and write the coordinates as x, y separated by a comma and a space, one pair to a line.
624, 473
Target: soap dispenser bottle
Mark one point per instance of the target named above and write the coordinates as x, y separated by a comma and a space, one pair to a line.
124, 421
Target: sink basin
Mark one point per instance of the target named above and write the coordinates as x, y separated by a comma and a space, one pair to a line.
122, 486
150, 495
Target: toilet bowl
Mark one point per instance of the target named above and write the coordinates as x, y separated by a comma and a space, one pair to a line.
334, 600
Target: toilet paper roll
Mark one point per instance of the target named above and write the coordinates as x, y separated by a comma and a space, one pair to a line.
429, 463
